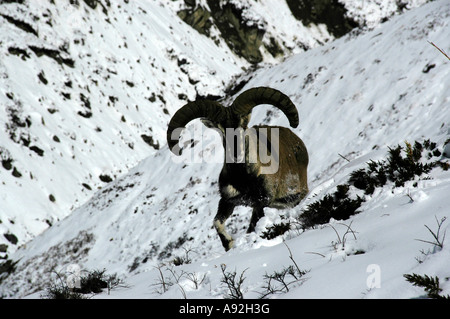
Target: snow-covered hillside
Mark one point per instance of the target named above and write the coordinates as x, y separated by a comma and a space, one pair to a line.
356, 97
87, 89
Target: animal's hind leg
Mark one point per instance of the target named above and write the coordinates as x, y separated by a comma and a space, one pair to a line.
257, 213
224, 211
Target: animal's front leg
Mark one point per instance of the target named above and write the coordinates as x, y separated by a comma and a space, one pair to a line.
224, 211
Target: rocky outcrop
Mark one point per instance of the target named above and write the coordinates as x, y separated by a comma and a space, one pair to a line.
332, 13
242, 35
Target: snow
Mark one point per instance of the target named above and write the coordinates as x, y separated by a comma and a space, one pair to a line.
356, 96
106, 143
136, 65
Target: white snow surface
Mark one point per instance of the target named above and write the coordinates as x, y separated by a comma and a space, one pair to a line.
356, 96
134, 66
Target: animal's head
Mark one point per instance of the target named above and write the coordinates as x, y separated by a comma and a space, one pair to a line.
214, 115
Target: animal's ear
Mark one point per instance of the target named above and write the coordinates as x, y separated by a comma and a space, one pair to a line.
208, 123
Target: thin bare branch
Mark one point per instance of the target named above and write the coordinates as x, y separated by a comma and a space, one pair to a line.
440, 50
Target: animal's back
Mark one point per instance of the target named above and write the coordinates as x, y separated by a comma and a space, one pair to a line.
289, 186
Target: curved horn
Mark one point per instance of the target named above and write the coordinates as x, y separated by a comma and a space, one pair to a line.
247, 100
208, 109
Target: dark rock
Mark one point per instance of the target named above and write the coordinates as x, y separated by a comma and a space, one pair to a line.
332, 13
11, 238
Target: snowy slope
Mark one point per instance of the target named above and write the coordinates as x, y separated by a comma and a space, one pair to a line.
124, 94
356, 96
86, 92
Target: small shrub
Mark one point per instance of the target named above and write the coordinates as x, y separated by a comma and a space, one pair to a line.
339, 244
93, 283
337, 205
280, 281
171, 277
438, 239
430, 285
397, 168
233, 284
180, 260
368, 179
276, 230
163, 283
61, 291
